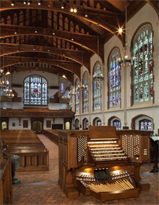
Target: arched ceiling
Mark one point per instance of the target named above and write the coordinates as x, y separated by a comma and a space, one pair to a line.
46, 32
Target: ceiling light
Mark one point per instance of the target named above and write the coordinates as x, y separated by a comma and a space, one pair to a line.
62, 7
120, 30
28, 3
48, 50
7, 73
75, 10
86, 15
64, 76
72, 39
53, 34
24, 2
12, 4
35, 31
71, 10
15, 32
33, 49
39, 3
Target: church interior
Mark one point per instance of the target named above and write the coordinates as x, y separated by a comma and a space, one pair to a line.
79, 104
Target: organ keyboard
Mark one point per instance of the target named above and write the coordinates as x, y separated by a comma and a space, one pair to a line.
106, 150
102, 163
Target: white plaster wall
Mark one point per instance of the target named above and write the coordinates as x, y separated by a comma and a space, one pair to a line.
146, 14
58, 106
18, 124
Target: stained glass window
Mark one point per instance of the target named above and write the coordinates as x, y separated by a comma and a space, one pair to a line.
145, 125
77, 95
97, 89
70, 94
117, 124
35, 90
62, 88
143, 65
114, 79
85, 92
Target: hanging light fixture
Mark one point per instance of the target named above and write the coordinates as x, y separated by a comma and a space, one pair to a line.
98, 76
125, 60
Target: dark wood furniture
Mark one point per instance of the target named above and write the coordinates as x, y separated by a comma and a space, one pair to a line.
24, 143
6, 192
52, 135
82, 153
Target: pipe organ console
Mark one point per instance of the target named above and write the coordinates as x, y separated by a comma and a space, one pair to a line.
103, 162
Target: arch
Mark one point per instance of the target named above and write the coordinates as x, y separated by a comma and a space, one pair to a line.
9, 20
21, 18
61, 22
135, 121
66, 24
77, 125
2, 21
97, 121
15, 19
71, 26
85, 124
35, 90
114, 121
114, 78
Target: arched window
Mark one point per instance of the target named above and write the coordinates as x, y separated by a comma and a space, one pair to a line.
117, 124
145, 124
85, 92
77, 95
35, 90
97, 122
85, 124
114, 79
142, 49
97, 88
70, 95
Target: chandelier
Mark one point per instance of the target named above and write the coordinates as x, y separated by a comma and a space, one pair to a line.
126, 60
98, 77
8, 92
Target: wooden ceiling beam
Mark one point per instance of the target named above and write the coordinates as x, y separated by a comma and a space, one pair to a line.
56, 71
88, 42
56, 6
66, 65
80, 57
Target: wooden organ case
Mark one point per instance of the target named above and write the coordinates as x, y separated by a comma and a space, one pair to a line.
102, 162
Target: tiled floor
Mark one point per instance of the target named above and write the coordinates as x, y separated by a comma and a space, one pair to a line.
42, 187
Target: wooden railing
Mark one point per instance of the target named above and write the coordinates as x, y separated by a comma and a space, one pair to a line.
5, 179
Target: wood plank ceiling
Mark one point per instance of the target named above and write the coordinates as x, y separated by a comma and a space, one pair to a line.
44, 35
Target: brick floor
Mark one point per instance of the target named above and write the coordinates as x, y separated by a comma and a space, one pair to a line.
42, 187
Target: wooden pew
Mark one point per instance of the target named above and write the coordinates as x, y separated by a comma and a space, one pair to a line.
52, 135
32, 152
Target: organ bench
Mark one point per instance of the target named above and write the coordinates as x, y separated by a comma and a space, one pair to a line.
103, 162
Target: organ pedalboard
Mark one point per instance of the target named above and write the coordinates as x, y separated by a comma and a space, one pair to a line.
106, 185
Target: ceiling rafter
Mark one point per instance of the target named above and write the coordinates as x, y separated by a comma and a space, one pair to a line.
80, 57
57, 7
57, 71
88, 42
70, 66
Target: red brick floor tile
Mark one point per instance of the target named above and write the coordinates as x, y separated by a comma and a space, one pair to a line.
42, 187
